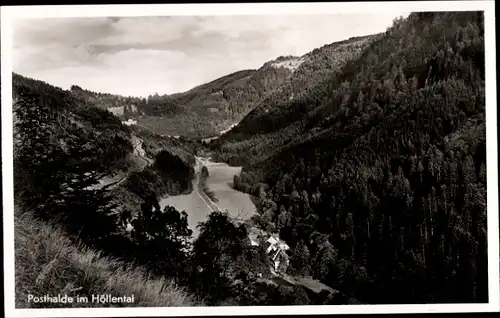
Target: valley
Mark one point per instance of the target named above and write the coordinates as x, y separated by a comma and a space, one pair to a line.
198, 206
357, 169
220, 181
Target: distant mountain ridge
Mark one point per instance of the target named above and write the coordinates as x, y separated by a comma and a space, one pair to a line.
128, 106
305, 86
209, 108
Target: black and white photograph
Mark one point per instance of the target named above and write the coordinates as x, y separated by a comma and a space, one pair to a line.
219, 156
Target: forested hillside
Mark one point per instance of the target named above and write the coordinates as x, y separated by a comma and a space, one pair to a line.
171, 173
304, 90
129, 107
153, 143
63, 147
379, 180
216, 105
281, 113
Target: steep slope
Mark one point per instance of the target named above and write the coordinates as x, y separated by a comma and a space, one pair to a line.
154, 143
63, 147
282, 112
388, 166
229, 98
48, 263
214, 106
212, 97
48, 118
303, 90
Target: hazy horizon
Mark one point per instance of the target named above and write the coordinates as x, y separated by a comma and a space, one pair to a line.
141, 56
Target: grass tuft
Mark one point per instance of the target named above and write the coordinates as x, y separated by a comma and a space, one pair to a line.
48, 263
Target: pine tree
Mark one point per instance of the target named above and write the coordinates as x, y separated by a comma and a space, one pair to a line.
300, 260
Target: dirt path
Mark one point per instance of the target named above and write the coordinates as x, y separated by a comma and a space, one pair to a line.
199, 189
139, 152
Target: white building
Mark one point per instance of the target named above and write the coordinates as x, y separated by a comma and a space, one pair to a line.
274, 243
130, 122
275, 248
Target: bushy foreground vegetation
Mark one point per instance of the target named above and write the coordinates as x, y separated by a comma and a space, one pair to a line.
49, 263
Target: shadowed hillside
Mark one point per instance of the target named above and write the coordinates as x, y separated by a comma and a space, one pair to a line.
385, 161
64, 146
281, 113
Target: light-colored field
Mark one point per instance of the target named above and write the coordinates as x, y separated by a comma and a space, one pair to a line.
195, 207
193, 203
220, 180
238, 204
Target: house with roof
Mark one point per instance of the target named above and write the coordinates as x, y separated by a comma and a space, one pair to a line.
274, 246
276, 249
274, 243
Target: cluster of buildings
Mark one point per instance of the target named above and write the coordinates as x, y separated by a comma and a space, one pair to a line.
275, 248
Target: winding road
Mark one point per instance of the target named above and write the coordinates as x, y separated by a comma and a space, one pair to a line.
140, 153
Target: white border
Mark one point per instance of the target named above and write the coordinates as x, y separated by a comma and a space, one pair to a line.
11, 13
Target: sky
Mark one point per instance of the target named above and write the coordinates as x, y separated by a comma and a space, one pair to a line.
140, 56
